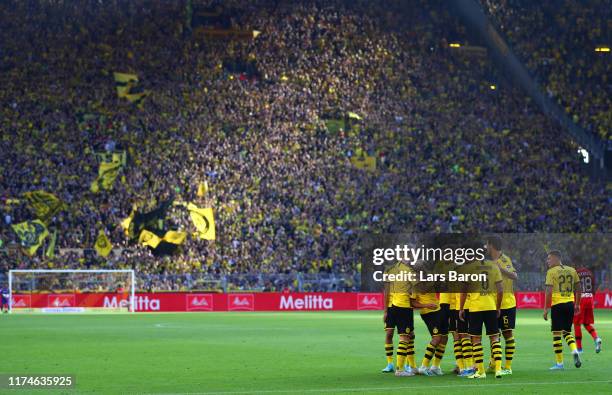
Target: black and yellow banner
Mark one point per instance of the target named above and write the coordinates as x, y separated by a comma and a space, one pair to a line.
204, 221
103, 245
31, 234
126, 84
175, 237
44, 204
107, 173
149, 239
363, 161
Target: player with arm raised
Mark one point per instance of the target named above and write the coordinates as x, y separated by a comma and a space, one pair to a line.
562, 289
584, 316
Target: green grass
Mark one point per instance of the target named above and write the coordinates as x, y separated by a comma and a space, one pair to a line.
330, 352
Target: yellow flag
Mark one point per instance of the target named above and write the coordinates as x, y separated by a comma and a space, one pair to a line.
149, 239
124, 82
32, 235
107, 173
45, 204
125, 224
103, 245
136, 99
364, 161
353, 115
175, 237
204, 221
202, 189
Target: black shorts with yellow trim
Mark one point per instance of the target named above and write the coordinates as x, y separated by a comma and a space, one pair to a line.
445, 318
401, 318
562, 317
433, 321
463, 326
488, 318
507, 319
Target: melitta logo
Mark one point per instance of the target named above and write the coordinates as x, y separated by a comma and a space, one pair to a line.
60, 300
142, 303
529, 299
240, 302
20, 301
199, 302
307, 302
608, 300
369, 301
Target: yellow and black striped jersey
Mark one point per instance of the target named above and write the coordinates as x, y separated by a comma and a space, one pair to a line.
563, 280
399, 291
483, 294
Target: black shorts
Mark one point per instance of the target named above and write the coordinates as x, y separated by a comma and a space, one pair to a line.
400, 318
433, 322
445, 318
562, 317
463, 326
452, 321
488, 318
507, 319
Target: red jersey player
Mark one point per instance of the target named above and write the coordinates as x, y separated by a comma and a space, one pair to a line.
585, 315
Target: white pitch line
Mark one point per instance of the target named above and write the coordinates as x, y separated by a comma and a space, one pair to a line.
390, 388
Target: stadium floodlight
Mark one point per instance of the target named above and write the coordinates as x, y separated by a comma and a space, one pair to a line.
64, 288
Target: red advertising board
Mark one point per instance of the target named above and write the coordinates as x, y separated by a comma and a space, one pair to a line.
272, 301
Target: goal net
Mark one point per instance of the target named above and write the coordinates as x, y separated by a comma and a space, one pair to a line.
71, 291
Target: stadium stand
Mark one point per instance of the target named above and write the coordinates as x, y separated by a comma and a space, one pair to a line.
333, 120
563, 43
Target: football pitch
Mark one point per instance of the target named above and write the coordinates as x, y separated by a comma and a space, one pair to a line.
271, 353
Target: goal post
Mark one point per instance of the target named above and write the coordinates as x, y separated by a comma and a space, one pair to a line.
71, 290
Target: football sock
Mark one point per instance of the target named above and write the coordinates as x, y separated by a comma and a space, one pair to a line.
478, 357
439, 354
429, 352
389, 353
410, 352
510, 347
592, 331
496, 352
578, 332
466, 349
569, 339
458, 353
401, 355
558, 348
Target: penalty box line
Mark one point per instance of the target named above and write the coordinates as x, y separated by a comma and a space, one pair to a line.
390, 388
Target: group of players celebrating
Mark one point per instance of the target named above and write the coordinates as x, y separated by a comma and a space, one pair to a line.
490, 303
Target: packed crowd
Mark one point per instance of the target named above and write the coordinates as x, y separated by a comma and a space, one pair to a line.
557, 41
452, 153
